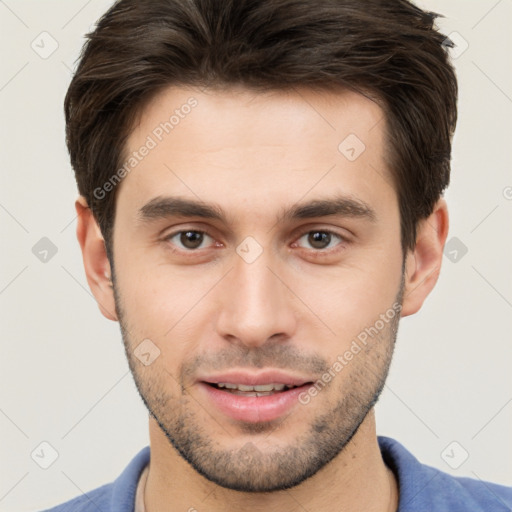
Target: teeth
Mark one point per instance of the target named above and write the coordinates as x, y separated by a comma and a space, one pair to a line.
261, 388
243, 387
269, 387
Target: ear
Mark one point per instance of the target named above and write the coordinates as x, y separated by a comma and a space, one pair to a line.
423, 265
96, 264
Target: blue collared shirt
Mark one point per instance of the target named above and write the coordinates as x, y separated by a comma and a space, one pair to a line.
422, 488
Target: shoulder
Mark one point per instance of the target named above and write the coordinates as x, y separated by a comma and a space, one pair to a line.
487, 493
423, 487
117, 496
92, 501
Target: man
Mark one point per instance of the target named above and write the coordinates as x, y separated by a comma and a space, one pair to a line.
260, 201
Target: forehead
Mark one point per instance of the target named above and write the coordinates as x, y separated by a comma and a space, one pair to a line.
264, 115
240, 142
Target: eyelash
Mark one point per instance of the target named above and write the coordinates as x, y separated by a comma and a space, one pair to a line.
342, 240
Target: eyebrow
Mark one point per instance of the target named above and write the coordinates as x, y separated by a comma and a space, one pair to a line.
160, 208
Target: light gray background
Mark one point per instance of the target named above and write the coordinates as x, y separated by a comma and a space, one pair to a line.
64, 375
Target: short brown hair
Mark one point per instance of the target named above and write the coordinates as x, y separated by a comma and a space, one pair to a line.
388, 49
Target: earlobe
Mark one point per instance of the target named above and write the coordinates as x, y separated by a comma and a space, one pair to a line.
423, 265
96, 264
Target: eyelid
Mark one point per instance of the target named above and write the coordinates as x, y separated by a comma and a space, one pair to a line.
343, 233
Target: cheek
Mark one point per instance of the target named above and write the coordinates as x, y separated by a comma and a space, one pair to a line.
351, 296
173, 305
165, 305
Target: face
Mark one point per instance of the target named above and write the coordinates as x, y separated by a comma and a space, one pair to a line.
257, 242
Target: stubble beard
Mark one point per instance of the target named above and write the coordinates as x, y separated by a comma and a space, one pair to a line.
347, 400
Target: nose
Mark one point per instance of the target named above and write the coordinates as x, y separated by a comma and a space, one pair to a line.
256, 303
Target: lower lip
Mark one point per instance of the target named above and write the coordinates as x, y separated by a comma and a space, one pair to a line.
253, 409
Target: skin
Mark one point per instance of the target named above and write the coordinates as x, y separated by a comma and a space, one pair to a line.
296, 307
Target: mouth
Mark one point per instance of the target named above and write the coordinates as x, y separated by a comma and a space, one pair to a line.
253, 398
257, 390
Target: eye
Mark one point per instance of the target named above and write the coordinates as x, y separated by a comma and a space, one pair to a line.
321, 239
189, 239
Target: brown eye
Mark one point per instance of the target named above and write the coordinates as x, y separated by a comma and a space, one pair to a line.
188, 239
321, 239
191, 239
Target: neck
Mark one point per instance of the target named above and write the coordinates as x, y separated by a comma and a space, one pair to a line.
357, 479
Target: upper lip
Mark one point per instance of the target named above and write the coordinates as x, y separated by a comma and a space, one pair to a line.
254, 379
